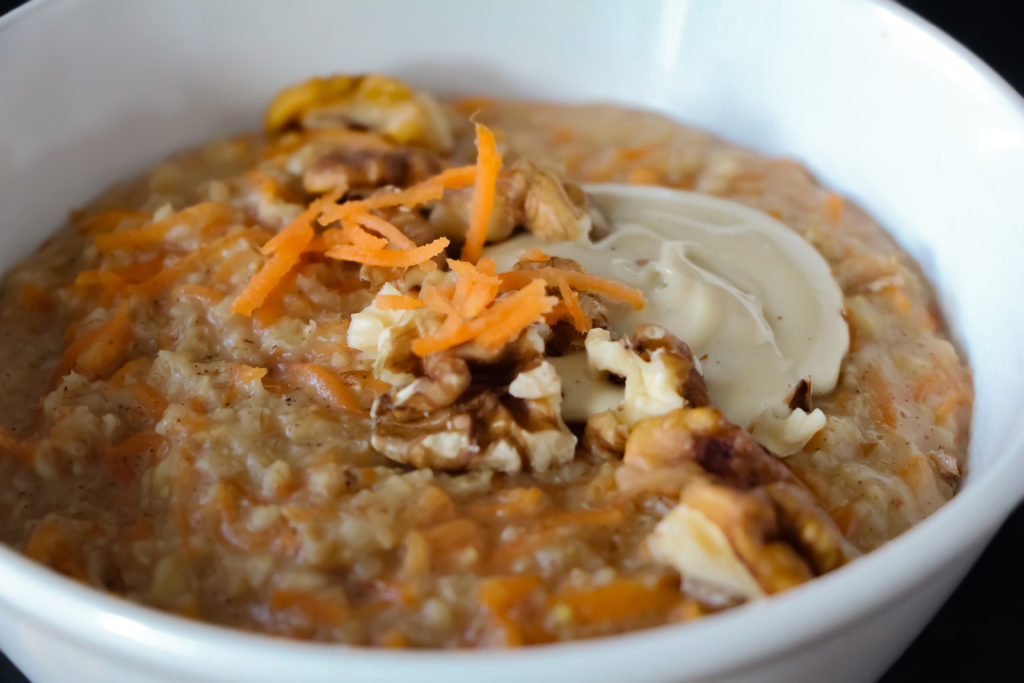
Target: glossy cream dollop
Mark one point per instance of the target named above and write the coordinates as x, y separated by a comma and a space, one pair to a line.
755, 302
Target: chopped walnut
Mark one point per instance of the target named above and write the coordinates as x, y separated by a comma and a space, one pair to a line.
527, 196
659, 371
385, 339
368, 168
450, 215
485, 431
555, 211
445, 378
742, 512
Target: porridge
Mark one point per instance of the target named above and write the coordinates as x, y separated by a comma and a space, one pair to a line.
475, 373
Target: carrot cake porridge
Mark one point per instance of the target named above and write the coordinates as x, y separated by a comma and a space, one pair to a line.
410, 373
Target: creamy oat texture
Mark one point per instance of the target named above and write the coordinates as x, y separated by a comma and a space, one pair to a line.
300, 471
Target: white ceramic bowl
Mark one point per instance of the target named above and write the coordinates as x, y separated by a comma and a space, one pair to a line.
881, 105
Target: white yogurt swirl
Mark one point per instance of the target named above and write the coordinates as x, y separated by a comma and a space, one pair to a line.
756, 303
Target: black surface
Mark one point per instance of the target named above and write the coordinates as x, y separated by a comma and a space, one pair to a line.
974, 638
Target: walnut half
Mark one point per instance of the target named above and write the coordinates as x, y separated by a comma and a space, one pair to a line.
442, 421
528, 196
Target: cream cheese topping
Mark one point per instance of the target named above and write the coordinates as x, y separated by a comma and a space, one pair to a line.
756, 303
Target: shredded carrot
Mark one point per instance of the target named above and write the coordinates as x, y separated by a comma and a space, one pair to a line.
107, 280
508, 317
365, 380
35, 298
580, 320
302, 221
137, 365
287, 247
420, 193
476, 287
380, 226
455, 545
616, 601
141, 270
495, 326
326, 385
396, 302
96, 350
162, 278
386, 257
149, 399
359, 237
583, 282
514, 503
108, 221
123, 457
11, 444
447, 336
454, 178
438, 298
318, 609
643, 176
201, 216
488, 165
503, 594
270, 309
834, 208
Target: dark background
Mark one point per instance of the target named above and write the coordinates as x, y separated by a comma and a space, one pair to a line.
974, 639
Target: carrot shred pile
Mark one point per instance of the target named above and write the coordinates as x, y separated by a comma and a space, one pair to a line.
474, 313
362, 238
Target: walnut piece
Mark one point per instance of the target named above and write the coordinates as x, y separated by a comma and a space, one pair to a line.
658, 369
368, 168
526, 195
442, 420
743, 514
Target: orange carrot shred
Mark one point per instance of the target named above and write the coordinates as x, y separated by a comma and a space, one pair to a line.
454, 178
583, 282
580, 320
834, 208
497, 325
380, 226
98, 348
326, 385
488, 164
388, 258
109, 221
409, 197
396, 302
360, 237
510, 316
288, 247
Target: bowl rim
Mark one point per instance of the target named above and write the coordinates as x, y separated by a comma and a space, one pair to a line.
786, 621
